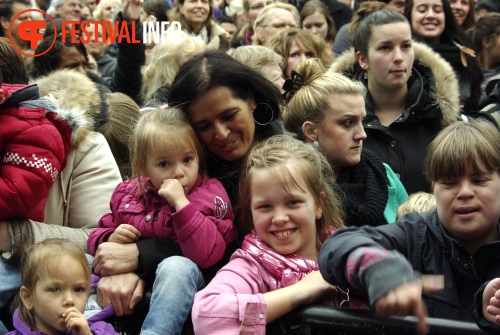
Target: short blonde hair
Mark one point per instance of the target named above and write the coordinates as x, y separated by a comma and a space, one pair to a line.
267, 13
256, 56
41, 262
166, 59
281, 151
417, 202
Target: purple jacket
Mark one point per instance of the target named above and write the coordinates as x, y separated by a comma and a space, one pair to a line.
203, 228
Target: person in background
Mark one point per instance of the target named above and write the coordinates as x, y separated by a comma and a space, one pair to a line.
417, 202
485, 36
411, 92
85, 12
286, 199
98, 49
65, 9
296, 45
464, 12
457, 244
229, 25
155, 10
272, 19
251, 9
433, 22
487, 6
327, 110
262, 60
315, 17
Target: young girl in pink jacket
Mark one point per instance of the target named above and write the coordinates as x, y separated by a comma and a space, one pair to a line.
285, 193
171, 196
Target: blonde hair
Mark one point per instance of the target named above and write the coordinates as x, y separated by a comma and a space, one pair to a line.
256, 56
166, 59
281, 43
474, 144
123, 114
42, 262
282, 151
417, 202
267, 13
310, 99
157, 128
99, 9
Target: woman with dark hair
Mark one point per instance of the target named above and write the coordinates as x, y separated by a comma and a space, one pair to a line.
433, 23
156, 8
412, 92
231, 107
464, 12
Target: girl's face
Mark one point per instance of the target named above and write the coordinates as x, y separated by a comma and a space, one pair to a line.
284, 219
469, 207
274, 74
173, 161
316, 24
340, 134
224, 123
195, 11
427, 19
390, 57
297, 55
52, 297
460, 10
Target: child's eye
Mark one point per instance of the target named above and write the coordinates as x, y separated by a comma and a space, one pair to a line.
80, 289
188, 159
293, 202
163, 164
53, 289
264, 206
448, 183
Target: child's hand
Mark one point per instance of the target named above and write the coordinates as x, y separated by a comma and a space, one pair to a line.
125, 233
407, 299
491, 301
174, 193
76, 322
313, 287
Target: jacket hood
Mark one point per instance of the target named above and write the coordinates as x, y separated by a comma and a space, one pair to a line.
445, 94
77, 99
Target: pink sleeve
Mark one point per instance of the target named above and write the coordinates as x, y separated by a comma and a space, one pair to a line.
205, 227
108, 222
233, 303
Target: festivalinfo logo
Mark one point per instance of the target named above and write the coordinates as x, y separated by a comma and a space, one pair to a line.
32, 31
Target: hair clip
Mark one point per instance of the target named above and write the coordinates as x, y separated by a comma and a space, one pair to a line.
292, 85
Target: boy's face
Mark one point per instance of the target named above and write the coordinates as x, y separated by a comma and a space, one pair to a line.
469, 207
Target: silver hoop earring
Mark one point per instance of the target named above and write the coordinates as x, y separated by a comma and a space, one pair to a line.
270, 120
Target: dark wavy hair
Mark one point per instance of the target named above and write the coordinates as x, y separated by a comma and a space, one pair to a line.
48, 62
215, 68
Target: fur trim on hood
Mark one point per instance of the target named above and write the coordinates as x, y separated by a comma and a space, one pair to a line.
77, 98
446, 93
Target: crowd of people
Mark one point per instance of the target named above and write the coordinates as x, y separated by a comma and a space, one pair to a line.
270, 155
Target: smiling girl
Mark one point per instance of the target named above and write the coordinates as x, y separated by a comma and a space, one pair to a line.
286, 197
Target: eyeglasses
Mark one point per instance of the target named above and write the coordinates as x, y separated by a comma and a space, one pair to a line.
281, 25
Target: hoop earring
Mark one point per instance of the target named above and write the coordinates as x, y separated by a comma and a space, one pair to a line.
270, 120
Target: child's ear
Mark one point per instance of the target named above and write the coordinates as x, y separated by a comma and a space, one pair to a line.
319, 206
309, 131
26, 297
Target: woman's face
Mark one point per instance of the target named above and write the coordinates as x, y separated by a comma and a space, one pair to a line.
224, 123
297, 55
316, 24
390, 57
460, 10
195, 11
340, 134
427, 19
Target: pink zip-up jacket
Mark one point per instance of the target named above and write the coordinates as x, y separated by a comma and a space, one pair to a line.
203, 228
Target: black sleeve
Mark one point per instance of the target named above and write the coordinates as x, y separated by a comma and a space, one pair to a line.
151, 253
477, 307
